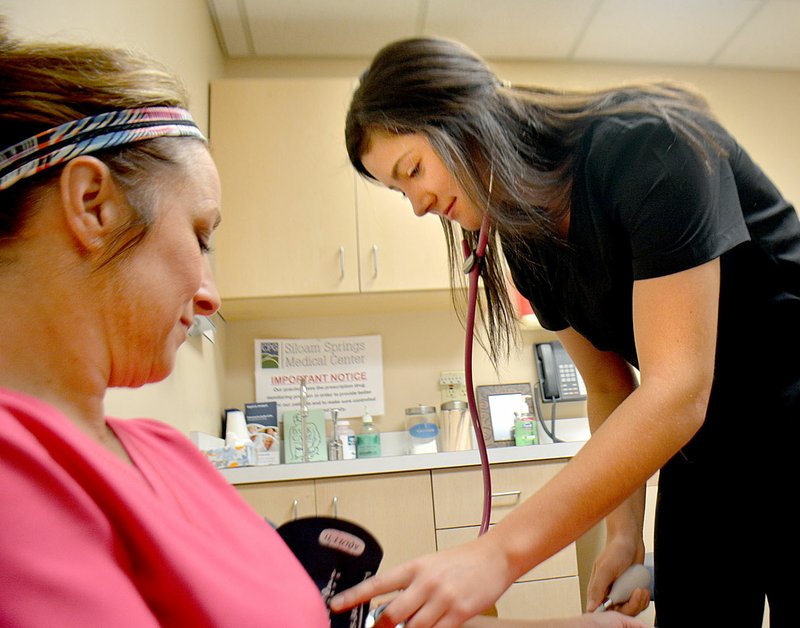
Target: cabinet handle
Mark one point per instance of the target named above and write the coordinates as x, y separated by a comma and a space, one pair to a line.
295, 505
335, 507
374, 260
341, 262
516, 494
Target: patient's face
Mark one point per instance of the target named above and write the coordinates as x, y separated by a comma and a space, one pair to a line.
167, 279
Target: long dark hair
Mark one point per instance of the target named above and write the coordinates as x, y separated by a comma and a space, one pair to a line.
522, 138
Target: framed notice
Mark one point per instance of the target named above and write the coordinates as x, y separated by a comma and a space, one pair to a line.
345, 373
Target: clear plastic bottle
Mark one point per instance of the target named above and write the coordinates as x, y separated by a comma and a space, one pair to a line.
347, 437
368, 441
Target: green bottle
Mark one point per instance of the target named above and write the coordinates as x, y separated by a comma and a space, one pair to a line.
368, 440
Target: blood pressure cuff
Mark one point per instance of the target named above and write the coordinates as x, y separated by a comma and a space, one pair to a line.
337, 554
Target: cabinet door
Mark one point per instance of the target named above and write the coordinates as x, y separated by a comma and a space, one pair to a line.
398, 250
288, 197
280, 502
541, 599
397, 509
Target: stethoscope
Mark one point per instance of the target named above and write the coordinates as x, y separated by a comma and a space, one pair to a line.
473, 261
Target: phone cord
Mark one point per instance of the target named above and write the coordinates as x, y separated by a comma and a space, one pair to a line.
473, 268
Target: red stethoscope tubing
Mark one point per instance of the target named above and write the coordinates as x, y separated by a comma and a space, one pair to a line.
474, 260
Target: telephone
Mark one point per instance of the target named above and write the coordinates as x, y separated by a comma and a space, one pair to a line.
559, 380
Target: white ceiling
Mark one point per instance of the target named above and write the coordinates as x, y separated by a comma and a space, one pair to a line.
740, 33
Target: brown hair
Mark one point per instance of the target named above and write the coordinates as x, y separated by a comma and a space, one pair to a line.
43, 85
521, 138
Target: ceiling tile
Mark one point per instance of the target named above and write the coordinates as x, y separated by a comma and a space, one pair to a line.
518, 29
770, 39
663, 31
325, 28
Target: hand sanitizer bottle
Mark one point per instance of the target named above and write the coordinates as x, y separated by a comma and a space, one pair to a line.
368, 441
348, 439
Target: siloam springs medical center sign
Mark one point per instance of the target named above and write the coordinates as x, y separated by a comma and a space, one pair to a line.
344, 373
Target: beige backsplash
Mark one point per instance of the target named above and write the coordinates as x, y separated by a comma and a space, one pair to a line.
417, 346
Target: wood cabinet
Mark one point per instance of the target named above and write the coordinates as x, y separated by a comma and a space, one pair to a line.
397, 249
549, 590
395, 508
279, 502
297, 219
288, 197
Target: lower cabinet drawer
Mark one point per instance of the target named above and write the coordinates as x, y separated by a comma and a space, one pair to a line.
563, 564
458, 493
541, 599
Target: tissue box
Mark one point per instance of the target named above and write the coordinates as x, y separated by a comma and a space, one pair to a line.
232, 457
316, 442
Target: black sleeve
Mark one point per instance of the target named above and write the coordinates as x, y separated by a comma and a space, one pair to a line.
676, 209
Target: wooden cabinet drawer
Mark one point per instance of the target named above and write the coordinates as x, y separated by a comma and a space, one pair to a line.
541, 599
458, 493
562, 564
280, 502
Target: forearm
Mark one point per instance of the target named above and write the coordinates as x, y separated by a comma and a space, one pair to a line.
627, 520
634, 442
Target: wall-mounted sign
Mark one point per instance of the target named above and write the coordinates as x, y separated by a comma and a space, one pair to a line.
342, 372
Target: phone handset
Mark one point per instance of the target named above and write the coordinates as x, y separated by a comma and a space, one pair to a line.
549, 374
558, 378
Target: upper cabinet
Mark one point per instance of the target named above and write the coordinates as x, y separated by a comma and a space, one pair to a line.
397, 250
297, 219
288, 193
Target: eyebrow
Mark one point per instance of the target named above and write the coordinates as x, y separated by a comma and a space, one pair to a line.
395, 176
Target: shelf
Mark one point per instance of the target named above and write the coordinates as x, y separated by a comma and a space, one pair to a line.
393, 464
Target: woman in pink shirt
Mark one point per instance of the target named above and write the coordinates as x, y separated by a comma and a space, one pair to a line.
108, 200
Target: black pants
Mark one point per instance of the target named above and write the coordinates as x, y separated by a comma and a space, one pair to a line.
725, 538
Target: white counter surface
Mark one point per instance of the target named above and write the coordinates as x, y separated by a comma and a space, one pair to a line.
392, 464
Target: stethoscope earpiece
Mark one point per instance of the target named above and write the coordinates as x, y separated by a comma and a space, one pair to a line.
470, 262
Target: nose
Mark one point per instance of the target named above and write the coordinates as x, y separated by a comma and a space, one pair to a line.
207, 299
421, 203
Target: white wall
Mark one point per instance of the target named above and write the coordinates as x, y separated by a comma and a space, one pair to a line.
179, 34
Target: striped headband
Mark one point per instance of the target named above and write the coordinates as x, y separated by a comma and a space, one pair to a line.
80, 137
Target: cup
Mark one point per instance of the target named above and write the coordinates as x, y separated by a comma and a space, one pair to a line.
236, 431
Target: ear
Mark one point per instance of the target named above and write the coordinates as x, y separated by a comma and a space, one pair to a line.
91, 201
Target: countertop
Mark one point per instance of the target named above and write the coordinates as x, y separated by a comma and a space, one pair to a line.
393, 464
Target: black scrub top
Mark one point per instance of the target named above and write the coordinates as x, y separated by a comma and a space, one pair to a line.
645, 204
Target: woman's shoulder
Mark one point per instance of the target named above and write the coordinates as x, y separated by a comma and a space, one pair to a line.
621, 129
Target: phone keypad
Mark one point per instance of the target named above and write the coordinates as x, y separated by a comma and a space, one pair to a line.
568, 377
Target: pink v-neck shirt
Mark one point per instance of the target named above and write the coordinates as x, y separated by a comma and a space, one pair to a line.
89, 540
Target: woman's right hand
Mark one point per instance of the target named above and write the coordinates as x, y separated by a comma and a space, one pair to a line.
610, 564
441, 590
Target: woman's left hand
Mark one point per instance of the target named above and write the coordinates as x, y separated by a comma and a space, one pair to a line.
442, 589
